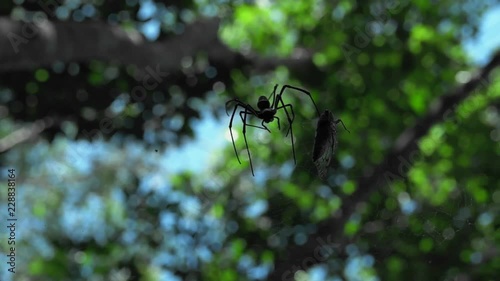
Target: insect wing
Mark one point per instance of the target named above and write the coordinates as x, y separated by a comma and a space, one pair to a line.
325, 143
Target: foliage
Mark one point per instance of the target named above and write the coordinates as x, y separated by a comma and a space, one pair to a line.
113, 210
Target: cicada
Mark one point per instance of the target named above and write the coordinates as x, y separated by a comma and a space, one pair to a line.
325, 142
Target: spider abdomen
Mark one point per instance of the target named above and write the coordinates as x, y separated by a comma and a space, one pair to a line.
263, 103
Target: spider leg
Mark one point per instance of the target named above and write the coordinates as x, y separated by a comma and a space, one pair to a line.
245, 137
297, 89
230, 101
279, 127
340, 121
231, 132
262, 123
250, 125
290, 121
273, 95
248, 108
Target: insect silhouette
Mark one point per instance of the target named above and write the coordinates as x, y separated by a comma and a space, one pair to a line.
325, 142
267, 113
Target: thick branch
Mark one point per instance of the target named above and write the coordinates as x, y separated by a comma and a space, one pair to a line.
404, 149
26, 46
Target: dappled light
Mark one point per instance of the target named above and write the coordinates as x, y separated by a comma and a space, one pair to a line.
249, 140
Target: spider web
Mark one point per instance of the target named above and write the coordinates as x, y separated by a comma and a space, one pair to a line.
442, 224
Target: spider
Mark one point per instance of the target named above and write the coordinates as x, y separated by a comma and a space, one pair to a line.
267, 112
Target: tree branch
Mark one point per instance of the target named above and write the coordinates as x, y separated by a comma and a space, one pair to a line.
26, 46
26, 133
406, 147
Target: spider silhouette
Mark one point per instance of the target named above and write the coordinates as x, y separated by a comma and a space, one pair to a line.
267, 112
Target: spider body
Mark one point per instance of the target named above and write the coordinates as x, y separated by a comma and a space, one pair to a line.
267, 113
